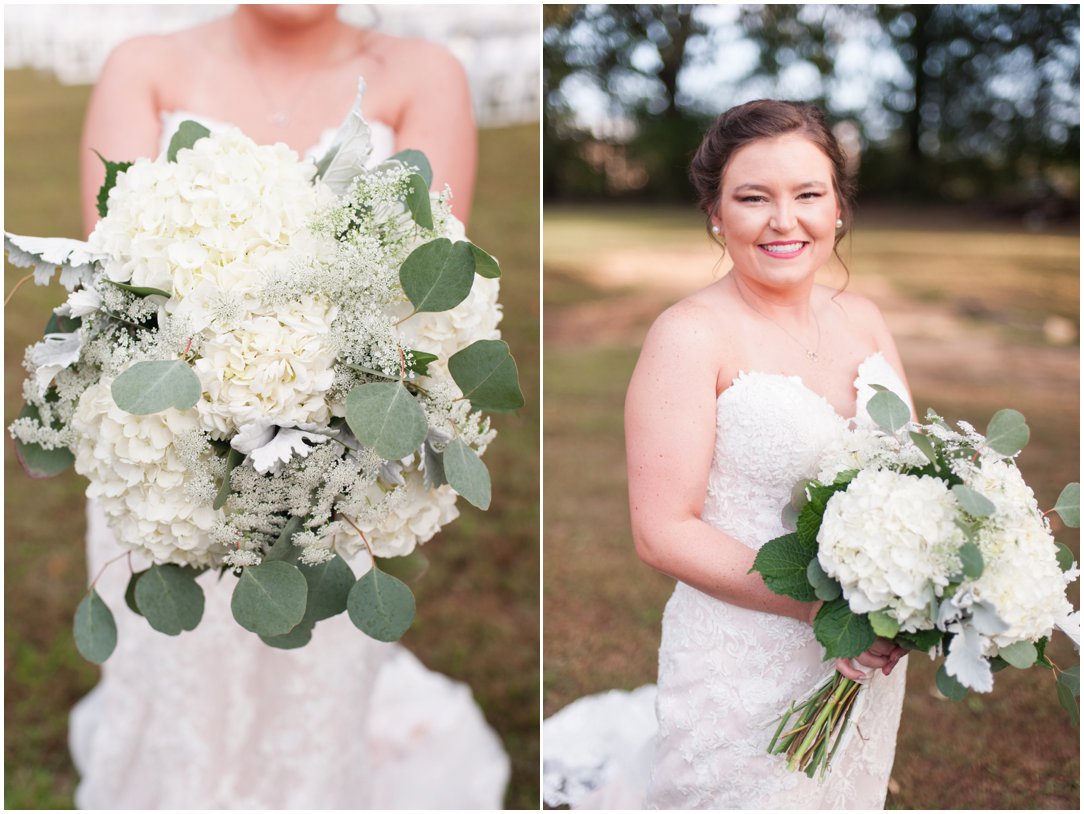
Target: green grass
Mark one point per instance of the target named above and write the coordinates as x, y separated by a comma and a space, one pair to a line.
478, 604
990, 289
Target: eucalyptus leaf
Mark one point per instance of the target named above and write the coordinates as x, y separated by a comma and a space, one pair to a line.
467, 474
151, 387
59, 324
1007, 432
298, 637
233, 458
270, 598
783, 565
1019, 654
381, 606
1065, 557
824, 586
486, 373
169, 598
188, 133
384, 416
433, 462
417, 201
972, 502
949, 686
1068, 505
843, 633
417, 160
1070, 677
485, 264
409, 568
1069, 703
799, 495
37, 461
329, 584
925, 446
283, 549
889, 411
971, 560
112, 170
884, 624
95, 629
438, 275
139, 291
129, 592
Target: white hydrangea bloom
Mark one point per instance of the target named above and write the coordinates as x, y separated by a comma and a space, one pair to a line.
139, 479
891, 541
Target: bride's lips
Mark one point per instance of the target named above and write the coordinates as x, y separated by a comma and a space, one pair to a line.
783, 249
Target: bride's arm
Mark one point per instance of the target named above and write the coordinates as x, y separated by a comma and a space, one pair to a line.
122, 118
670, 438
438, 120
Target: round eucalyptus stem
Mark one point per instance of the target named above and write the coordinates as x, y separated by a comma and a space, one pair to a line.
16, 287
108, 563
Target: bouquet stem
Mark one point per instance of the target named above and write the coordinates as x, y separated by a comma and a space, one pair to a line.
815, 726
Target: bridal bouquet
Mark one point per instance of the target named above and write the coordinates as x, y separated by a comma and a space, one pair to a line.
265, 366
929, 536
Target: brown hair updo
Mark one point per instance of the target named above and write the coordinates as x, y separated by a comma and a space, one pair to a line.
761, 119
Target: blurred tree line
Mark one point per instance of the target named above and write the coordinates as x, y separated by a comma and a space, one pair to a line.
980, 102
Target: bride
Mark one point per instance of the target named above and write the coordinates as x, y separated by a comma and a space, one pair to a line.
737, 390
214, 718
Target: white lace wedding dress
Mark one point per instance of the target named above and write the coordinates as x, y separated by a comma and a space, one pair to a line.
215, 719
725, 672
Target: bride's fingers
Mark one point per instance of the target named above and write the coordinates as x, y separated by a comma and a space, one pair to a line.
872, 660
848, 670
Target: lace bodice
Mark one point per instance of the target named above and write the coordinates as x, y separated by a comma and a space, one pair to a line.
726, 672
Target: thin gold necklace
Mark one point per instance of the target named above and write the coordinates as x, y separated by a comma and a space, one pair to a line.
812, 355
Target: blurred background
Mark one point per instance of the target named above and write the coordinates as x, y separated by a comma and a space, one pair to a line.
962, 125
478, 618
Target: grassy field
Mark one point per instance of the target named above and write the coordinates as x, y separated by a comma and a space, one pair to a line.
478, 605
985, 317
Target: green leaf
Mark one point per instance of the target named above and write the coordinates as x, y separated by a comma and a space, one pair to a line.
1068, 701
1019, 654
920, 639
417, 201
112, 170
486, 373
58, 324
284, 549
811, 515
151, 387
188, 133
485, 264
1007, 432
782, 563
409, 568
884, 624
298, 637
169, 598
381, 606
384, 416
888, 410
329, 584
949, 686
95, 630
270, 598
129, 593
971, 560
843, 633
1068, 505
420, 361
434, 467
1070, 678
925, 446
467, 474
972, 502
438, 275
37, 461
137, 290
824, 586
233, 458
1065, 557
417, 160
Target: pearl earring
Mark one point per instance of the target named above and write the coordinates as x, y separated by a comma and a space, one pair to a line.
839, 223
714, 229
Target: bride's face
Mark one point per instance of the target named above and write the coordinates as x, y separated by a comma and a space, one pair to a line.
778, 210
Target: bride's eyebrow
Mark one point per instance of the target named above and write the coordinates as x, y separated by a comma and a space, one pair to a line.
761, 188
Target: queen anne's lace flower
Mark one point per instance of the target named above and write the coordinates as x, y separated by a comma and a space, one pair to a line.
891, 541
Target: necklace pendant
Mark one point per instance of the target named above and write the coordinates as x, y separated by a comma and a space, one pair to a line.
280, 118
812, 354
